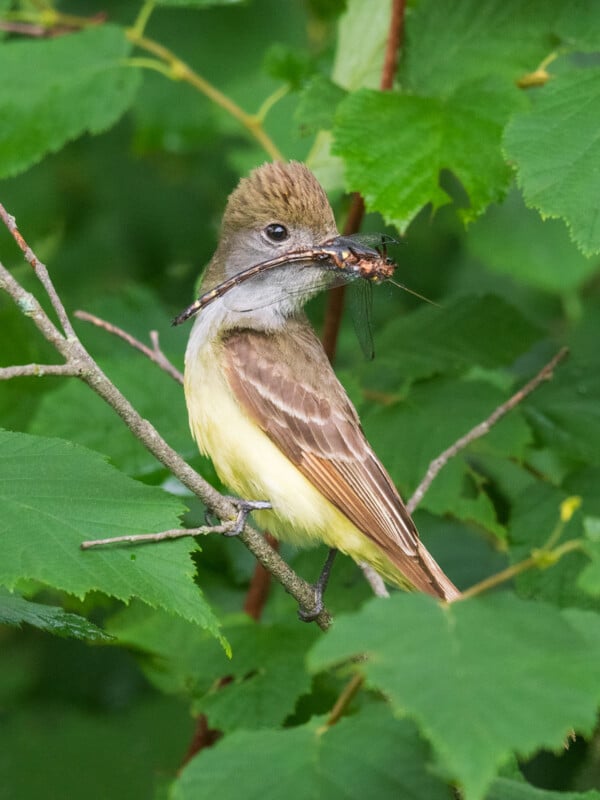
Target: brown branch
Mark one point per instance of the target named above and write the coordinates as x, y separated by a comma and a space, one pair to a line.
392, 48
40, 270
154, 353
174, 533
75, 355
203, 737
335, 299
258, 591
483, 428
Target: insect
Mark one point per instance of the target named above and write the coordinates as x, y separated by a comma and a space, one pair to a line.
350, 257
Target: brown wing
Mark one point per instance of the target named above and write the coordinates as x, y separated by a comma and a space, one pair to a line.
285, 384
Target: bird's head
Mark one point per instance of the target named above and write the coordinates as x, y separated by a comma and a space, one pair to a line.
279, 208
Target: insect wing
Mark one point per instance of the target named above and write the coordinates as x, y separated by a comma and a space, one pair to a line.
360, 296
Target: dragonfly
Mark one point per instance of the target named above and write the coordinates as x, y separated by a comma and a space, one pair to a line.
359, 259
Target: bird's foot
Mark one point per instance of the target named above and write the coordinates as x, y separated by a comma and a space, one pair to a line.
244, 508
310, 615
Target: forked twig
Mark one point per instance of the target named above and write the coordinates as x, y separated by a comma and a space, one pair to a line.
154, 353
483, 428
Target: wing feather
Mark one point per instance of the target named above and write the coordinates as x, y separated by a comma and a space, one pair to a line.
285, 384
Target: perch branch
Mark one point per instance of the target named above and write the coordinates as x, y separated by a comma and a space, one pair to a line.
77, 357
174, 533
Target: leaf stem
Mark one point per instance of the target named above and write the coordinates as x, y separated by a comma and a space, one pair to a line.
148, 63
539, 558
179, 70
348, 692
270, 101
139, 26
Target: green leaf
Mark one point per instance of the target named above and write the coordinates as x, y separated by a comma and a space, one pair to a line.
266, 671
555, 145
290, 65
54, 495
422, 426
362, 34
504, 38
475, 330
75, 413
589, 580
54, 90
268, 676
591, 526
565, 412
577, 24
196, 3
367, 755
504, 789
317, 105
395, 146
145, 742
15, 610
514, 240
482, 678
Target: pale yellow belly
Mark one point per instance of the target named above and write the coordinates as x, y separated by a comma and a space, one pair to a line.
253, 467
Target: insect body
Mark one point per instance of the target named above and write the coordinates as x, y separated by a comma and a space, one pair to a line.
347, 254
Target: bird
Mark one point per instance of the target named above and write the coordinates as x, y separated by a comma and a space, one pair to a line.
264, 402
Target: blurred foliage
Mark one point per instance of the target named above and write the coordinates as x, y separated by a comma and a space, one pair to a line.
485, 157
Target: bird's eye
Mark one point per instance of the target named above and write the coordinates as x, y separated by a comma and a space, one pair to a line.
276, 232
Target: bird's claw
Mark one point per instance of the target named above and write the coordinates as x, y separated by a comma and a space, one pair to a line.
319, 587
245, 507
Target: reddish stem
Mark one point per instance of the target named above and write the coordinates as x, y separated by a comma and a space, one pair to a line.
258, 591
335, 300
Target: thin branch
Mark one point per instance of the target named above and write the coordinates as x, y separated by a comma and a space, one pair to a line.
37, 371
374, 580
174, 533
29, 305
483, 428
39, 269
155, 354
344, 699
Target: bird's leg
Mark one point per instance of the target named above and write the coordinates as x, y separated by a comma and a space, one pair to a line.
319, 587
244, 508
